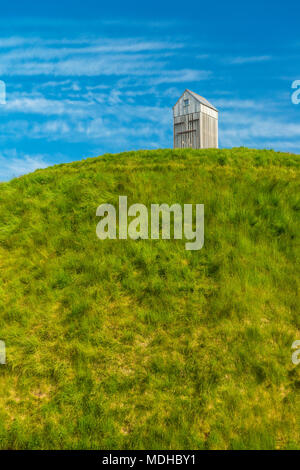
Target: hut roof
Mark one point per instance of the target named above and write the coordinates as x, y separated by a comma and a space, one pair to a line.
198, 98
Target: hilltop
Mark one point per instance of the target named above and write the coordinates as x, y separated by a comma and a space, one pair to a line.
123, 344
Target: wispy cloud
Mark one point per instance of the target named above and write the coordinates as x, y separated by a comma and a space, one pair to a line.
247, 60
13, 164
44, 49
82, 57
237, 104
180, 76
99, 57
38, 104
256, 130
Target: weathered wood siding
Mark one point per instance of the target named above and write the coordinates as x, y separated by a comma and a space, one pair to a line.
195, 125
180, 109
209, 129
187, 131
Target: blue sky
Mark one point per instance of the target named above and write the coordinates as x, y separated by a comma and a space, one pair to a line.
85, 78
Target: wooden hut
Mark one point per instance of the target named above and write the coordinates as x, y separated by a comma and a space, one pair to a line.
195, 122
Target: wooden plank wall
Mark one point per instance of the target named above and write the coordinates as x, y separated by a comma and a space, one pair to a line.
209, 131
187, 131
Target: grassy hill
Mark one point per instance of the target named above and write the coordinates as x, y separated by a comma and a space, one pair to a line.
142, 344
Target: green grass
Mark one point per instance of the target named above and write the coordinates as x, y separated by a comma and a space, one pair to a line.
141, 344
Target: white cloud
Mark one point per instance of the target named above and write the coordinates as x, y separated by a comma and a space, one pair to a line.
136, 57
13, 164
44, 106
103, 56
102, 47
248, 60
258, 125
237, 104
253, 129
284, 145
119, 64
180, 76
